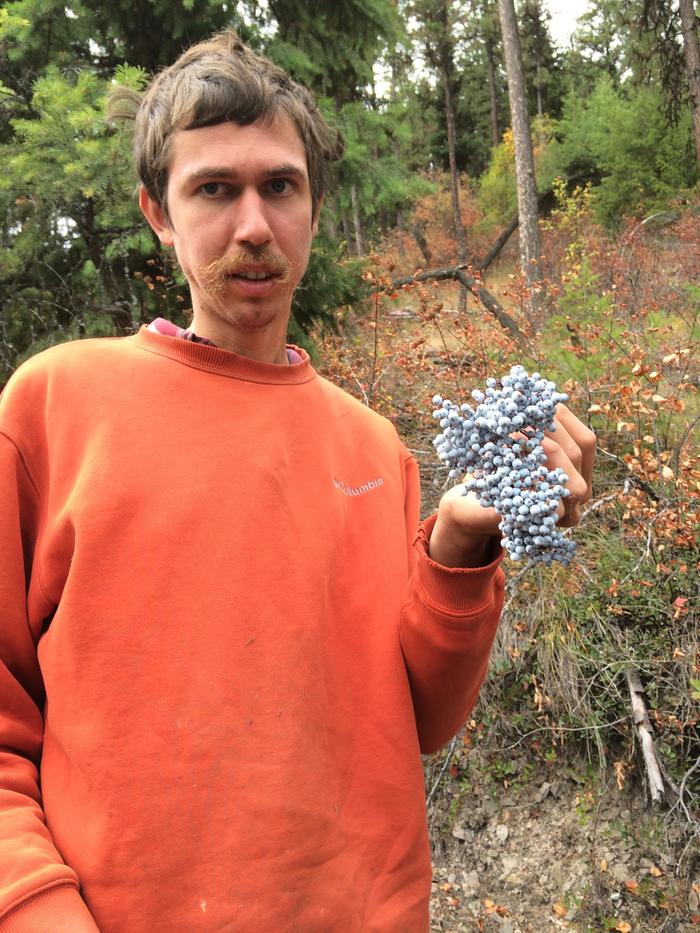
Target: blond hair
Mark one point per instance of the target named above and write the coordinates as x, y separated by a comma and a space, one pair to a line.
221, 80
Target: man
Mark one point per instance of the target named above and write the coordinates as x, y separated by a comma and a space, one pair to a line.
222, 651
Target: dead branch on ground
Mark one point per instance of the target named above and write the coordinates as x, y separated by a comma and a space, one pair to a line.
658, 788
477, 289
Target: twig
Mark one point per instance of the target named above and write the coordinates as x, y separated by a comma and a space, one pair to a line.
362, 389
696, 833
448, 759
668, 214
632, 475
681, 791
598, 504
591, 728
645, 554
448, 354
690, 818
681, 442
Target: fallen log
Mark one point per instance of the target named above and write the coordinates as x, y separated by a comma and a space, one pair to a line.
459, 273
506, 234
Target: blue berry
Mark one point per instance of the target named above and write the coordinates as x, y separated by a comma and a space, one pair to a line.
477, 441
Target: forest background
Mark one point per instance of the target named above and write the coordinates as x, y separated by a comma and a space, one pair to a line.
415, 287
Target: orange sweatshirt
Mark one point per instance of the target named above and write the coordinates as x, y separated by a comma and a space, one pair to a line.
221, 652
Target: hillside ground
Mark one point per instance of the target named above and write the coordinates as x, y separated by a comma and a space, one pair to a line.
558, 851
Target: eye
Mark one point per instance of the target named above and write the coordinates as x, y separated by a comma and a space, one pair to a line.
211, 188
280, 186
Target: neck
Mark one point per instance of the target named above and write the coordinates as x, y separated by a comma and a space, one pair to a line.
265, 344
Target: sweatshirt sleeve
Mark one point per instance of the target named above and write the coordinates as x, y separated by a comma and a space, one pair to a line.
447, 629
38, 892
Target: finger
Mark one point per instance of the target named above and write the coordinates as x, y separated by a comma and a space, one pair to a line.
562, 437
582, 437
558, 457
569, 512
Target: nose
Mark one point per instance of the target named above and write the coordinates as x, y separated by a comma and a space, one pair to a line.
252, 226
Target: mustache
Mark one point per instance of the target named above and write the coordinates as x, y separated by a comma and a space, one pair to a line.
214, 275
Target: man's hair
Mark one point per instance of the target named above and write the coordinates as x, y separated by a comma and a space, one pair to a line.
222, 80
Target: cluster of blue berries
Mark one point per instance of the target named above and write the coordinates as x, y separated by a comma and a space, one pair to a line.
508, 472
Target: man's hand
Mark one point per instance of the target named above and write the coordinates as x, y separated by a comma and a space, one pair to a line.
464, 532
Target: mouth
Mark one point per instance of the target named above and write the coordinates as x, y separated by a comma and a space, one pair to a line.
249, 276
254, 276
253, 283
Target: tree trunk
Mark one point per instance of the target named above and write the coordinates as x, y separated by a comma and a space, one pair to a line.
399, 210
454, 174
540, 98
454, 186
530, 246
423, 245
359, 246
345, 220
493, 92
692, 64
400, 232
498, 245
446, 72
116, 306
329, 218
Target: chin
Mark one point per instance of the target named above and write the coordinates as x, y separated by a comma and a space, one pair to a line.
251, 321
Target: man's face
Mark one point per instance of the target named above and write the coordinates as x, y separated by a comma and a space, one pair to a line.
240, 220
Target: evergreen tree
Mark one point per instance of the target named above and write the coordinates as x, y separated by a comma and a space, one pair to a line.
335, 43
657, 52
147, 34
490, 35
667, 51
479, 96
482, 101
334, 47
438, 30
76, 258
540, 63
601, 42
640, 167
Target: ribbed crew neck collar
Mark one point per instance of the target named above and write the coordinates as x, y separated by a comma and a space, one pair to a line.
224, 362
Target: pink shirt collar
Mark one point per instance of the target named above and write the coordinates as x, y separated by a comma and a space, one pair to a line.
161, 326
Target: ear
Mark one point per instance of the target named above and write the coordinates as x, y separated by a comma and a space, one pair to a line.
156, 217
317, 214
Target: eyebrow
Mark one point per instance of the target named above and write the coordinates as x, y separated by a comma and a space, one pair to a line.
229, 174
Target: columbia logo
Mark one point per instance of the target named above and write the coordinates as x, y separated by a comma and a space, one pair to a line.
358, 490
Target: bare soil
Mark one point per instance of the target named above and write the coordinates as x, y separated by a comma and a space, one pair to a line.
560, 852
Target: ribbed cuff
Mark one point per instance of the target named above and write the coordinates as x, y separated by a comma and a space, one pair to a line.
456, 589
56, 910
